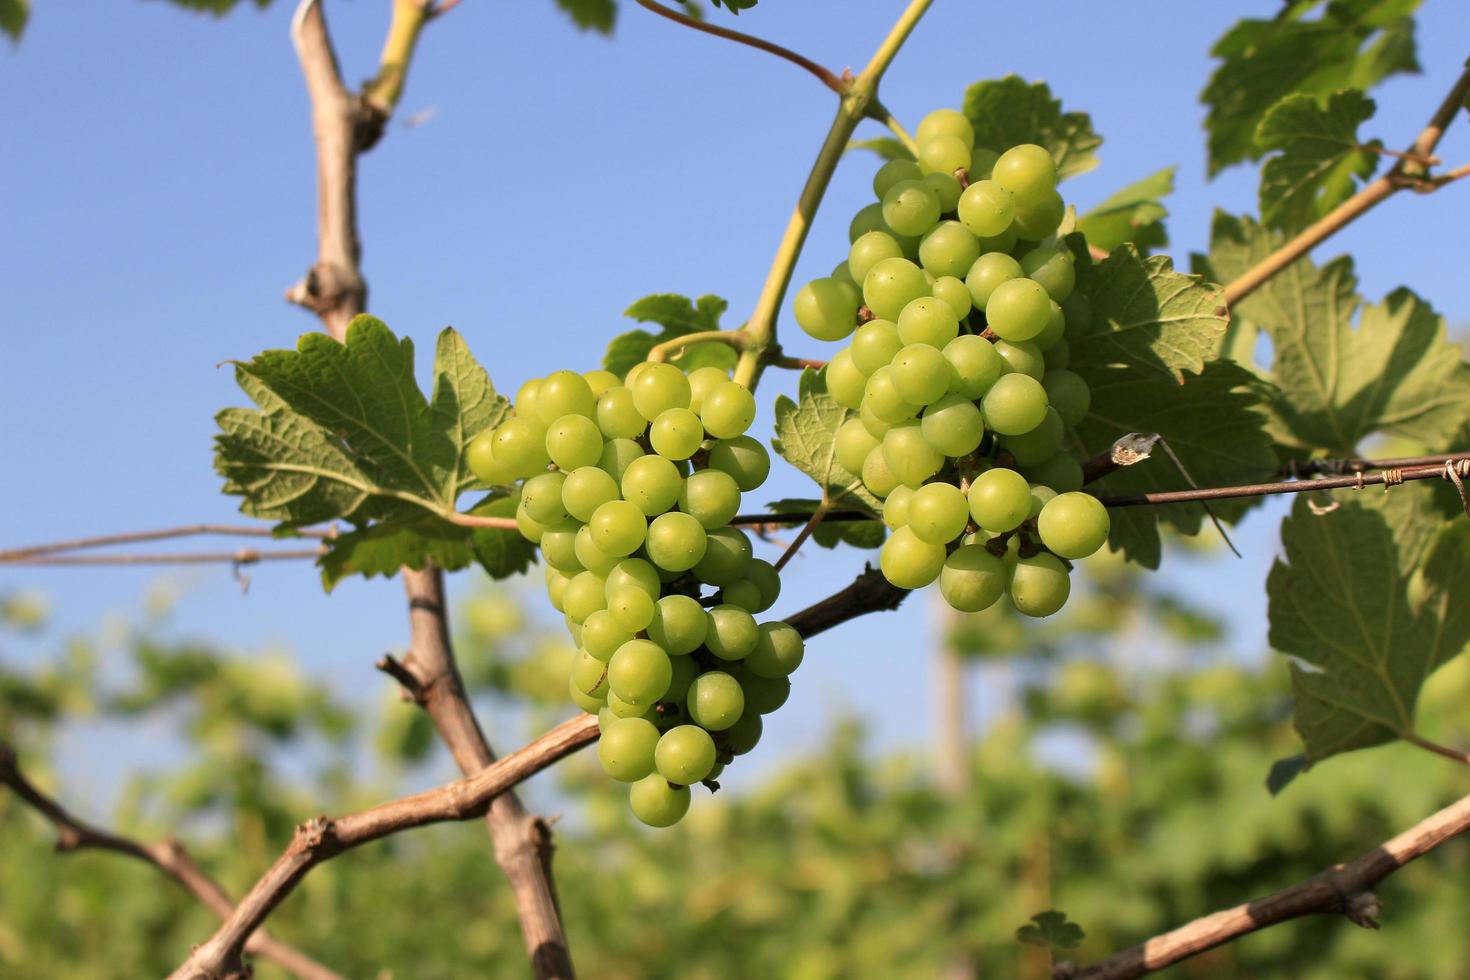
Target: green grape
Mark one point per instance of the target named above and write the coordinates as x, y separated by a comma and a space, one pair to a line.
520, 446
481, 457
589, 675
972, 578
728, 410
564, 393
908, 454
726, 557
1027, 171
556, 584
852, 444
743, 593
711, 497
626, 748
585, 701
574, 630
585, 489
1058, 356
525, 400
1073, 525
1061, 472
701, 382
1078, 311
869, 218
946, 187
601, 635
685, 754
541, 497
743, 458
845, 383
573, 441
676, 541
982, 163
1054, 268
1000, 499
716, 700
1003, 242
827, 308
764, 695
910, 207
1014, 404
763, 575
1055, 329
896, 507
871, 248
945, 122
894, 172
944, 155
881, 397
652, 484
928, 320
631, 608
777, 653
975, 364
1039, 585
988, 273
938, 513
873, 345
530, 528
591, 557
617, 455
876, 427
686, 669
634, 573
657, 802
559, 546
619, 526
948, 250
888, 287
1040, 497
623, 709
954, 292
1038, 445
657, 388
1021, 357
1038, 220
743, 736
986, 209
732, 633
921, 374
639, 672
1068, 394
584, 595
876, 475
601, 381
841, 271
617, 416
679, 625
676, 433
1018, 309
953, 425
908, 561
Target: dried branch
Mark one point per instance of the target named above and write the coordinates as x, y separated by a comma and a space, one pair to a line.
1341, 890
168, 856
240, 556
1359, 480
806, 531
140, 537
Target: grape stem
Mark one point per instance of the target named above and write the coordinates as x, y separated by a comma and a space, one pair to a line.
806, 531
671, 348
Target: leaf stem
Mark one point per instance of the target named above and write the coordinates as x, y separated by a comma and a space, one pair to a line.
386, 88
669, 348
1444, 750
806, 532
877, 110
473, 520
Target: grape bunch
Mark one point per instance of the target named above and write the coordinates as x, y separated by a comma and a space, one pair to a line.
958, 297
629, 488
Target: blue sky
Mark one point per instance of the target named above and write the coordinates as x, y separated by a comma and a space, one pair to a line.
157, 195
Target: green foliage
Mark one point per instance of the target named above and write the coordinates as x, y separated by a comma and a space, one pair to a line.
13, 17
1051, 929
1352, 44
217, 7
678, 316
1008, 111
1133, 215
886, 147
805, 434
831, 533
591, 15
1321, 158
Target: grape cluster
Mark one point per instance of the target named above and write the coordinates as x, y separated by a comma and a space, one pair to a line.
959, 298
629, 488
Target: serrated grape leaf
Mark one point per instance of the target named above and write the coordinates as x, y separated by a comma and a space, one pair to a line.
806, 430
886, 147
831, 533
591, 15
1133, 214
1369, 628
1051, 929
1353, 44
13, 17
1009, 111
1320, 158
1147, 317
1213, 423
678, 316
384, 548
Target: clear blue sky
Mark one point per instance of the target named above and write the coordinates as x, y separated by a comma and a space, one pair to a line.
157, 195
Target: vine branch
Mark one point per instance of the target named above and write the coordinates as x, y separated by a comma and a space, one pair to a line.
1455, 755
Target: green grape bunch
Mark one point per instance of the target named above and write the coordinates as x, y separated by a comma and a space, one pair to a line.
628, 488
956, 299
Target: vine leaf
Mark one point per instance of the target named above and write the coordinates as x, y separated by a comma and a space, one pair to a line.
591, 15
1051, 929
1320, 158
831, 533
13, 17
806, 430
1366, 628
1133, 214
677, 316
1010, 110
886, 147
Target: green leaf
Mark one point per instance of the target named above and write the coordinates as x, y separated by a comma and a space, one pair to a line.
1147, 317
1370, 628
805, 434
831, 533
1009, 111
886, 147
591, 15
735, 6
217, 7
1354, 44
1283, 771
1051, 929
1214, 424
1134, 214
13, 17
1320, 161
678, 316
